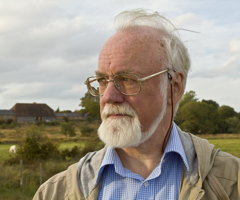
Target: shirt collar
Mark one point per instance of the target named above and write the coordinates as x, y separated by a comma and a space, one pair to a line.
174, 145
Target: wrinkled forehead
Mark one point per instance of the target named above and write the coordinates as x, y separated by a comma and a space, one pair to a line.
142, 44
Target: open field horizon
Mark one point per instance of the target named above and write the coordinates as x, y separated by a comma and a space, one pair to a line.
33, 173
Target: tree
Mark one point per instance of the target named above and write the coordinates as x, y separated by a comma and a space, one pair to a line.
229, 119
211, 102
188, 97
206, 116
226, 112
197, 117
90, 106
233, 125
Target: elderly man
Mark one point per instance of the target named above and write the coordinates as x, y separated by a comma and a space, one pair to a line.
140, 79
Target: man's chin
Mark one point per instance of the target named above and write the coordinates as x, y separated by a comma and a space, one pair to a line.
120, 135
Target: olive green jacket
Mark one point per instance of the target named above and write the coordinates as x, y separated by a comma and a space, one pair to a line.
213, 175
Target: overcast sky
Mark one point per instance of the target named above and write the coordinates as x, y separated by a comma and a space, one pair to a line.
49, 47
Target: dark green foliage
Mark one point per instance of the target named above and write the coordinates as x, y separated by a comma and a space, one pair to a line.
9, 123
226, 112
197, 117
66, 119
36, 147
57, 110
201, 117
68, 154
91, 146
68, 129
90, 106
87, 130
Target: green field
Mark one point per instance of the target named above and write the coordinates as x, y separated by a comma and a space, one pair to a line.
4, 151
9, 177
228, 145
4, 148
69, 145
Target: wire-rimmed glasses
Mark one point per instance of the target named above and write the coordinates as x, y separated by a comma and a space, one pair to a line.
127, 84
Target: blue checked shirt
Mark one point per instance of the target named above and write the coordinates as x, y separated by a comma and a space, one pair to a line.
163, 183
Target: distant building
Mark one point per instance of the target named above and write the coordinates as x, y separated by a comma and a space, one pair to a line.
33, 112
73, 116
7, 115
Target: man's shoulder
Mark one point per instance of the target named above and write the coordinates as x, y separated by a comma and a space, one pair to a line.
57, 186
226, 167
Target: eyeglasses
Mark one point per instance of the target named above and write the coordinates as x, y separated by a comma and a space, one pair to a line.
127, 84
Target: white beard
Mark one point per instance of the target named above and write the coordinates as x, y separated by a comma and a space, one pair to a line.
125, 131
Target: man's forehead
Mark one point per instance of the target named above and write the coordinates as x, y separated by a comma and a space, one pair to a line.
132, 42
137, 35
132, 49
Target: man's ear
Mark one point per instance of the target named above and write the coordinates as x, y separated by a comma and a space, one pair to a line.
176, 81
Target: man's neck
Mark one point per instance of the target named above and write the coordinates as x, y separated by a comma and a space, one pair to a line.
143, 159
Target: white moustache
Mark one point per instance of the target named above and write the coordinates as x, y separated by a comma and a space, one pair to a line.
123, 110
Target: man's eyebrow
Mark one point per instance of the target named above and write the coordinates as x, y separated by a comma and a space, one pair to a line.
98, 73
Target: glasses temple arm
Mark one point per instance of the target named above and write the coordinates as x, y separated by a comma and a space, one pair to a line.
152, 75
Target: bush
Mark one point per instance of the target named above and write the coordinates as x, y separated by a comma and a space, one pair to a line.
37, 147
69, 154
68, 129
86, 130
90, 147
9, 123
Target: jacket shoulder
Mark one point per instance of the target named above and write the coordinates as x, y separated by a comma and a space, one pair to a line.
226, 166
56, 187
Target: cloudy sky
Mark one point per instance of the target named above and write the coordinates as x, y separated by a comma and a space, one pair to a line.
49, 47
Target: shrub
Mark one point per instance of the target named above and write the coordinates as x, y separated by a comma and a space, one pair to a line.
68, 129
69, 154
86, 130
37, 147
8, 123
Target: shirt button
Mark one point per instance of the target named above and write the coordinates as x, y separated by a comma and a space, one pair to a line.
146, 184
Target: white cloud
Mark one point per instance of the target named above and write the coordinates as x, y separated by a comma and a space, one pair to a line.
48, 48
234, 46
223, 90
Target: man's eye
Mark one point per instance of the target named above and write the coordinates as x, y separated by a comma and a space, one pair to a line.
101, 80
125, 79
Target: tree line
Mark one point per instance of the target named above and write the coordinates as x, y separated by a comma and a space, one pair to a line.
206, 116
193, 115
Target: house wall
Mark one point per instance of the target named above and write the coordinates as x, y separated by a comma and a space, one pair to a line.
35, 119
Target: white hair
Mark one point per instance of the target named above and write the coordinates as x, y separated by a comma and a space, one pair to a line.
177, 57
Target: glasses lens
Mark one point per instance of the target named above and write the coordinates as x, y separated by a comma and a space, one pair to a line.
127, 84
96, 85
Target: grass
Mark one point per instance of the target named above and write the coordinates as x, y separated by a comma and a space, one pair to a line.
69, 145
19, 193
10, 178
231, 146
4, 151
225, 142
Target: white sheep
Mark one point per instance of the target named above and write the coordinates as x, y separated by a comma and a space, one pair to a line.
13, 149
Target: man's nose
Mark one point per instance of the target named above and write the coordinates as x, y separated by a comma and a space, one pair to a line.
111, 94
